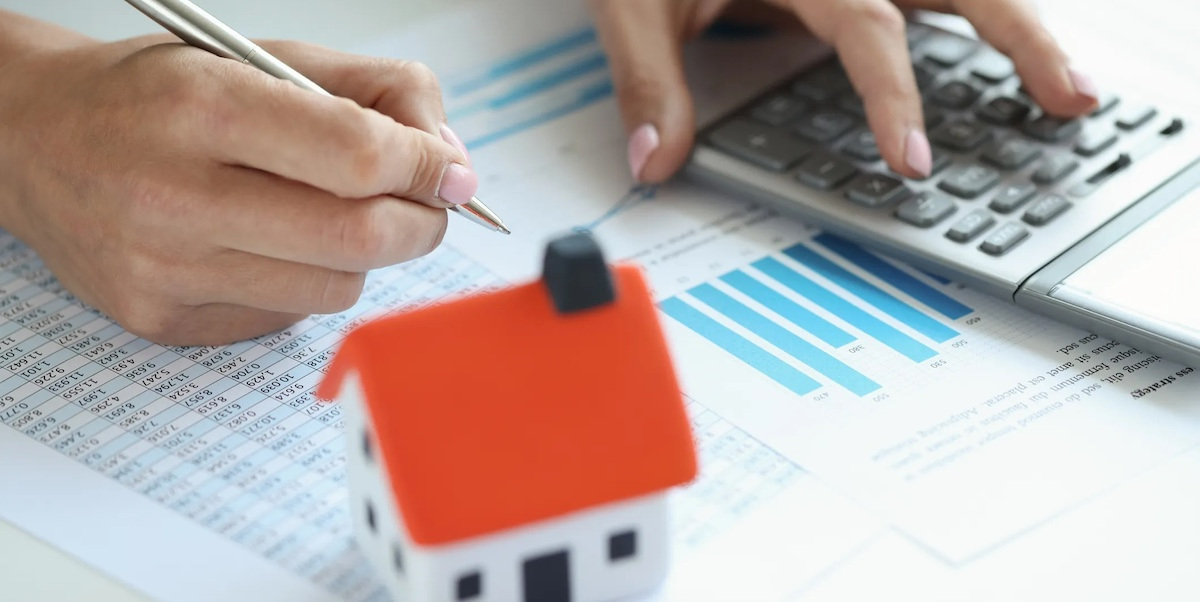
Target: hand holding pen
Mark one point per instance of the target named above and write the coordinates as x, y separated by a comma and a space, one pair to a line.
197, 200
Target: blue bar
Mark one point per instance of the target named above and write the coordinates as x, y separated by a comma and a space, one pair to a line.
580, 68
780, 337
529, 58
938, 279
872, 326
939, 301
871, 294
794, 312
586, 98
753, 355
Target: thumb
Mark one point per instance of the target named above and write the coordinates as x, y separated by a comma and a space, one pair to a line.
644, 43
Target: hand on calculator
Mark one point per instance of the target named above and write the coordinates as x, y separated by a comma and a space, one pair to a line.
643, 39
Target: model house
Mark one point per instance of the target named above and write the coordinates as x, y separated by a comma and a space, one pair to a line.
519, 445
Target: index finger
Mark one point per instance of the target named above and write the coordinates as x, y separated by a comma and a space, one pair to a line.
869, 37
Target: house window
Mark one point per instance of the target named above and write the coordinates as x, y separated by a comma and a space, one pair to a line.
622, 545
398, 557
371, 517
469, 586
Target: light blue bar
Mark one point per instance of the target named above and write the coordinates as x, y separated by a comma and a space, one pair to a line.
524, 60
780, 337
939, 301
794, 312
872, 294
872, 326
586, 65
748, 352
586, 98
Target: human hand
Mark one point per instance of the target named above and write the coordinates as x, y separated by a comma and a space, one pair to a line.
643, 39
196, 200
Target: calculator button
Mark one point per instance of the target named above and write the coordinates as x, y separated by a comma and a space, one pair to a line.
876, 190
779, 110
1004, 110
963, 136
969, 181
1045, 209
1105, 103
1010, 197
933, 116
852, 103
948, 50
1013, 153
926, 75
1051, 129
992, 67
1095, 140
1054, 168
915, 33
824, 126
824, 171
1004, 238
1134, 116
823, 83
925, 210
767, 147
955, 95
971, 225
861, 145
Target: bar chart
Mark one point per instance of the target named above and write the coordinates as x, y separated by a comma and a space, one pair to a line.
799, 315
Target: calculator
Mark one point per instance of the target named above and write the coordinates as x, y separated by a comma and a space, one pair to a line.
1018, 203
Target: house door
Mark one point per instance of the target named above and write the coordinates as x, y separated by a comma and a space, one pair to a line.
548, 578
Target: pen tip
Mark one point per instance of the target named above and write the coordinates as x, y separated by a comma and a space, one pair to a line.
504, 229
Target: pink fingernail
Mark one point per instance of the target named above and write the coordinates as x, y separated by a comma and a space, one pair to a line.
917, 153
449, 136
458, 184
1083, 84
641, 144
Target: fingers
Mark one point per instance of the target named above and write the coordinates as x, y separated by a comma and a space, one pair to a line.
266, 215
216, 324
643, 42
253, 281
243, 117
869, 36
1013, 28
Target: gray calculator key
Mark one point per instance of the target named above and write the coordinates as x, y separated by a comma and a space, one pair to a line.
1095, 140
823, 83
1013, 153
1045, 209
933, 116
925, 209
768, 147
963, 136
925, 73
1134, 116
1054, 168
1107, 101
861, 145
876, 190
948, 50
916, 32
852, 103
969, 181
971, 225
779, 110
955, 94
1012, 196
824, 171
1048, 128
824, 126
1004, 110
992, 67
1004, 238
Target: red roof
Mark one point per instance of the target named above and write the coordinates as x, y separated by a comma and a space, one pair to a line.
495, 411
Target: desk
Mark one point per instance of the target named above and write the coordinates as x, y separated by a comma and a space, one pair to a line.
31, 570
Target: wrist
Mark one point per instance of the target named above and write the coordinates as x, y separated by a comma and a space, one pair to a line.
21, 36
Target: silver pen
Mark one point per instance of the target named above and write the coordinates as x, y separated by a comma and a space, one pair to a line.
200, 29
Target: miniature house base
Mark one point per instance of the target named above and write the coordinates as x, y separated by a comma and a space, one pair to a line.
597, 555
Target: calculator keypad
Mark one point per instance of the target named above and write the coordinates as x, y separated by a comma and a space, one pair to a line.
1002, 170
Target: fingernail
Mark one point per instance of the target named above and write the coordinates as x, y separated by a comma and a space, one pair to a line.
449, 136
641, 144
458, 184
917, 153
1083, 84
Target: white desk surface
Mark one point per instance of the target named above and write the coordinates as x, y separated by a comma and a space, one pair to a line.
33, 571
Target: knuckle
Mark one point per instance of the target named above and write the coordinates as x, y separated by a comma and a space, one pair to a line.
424, 233
880, 15
363, 145
335, 292
419, 77
423, 174
363, 235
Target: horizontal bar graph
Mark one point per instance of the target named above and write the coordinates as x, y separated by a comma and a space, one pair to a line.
465, 84
524, 90
742, 348
799, 316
